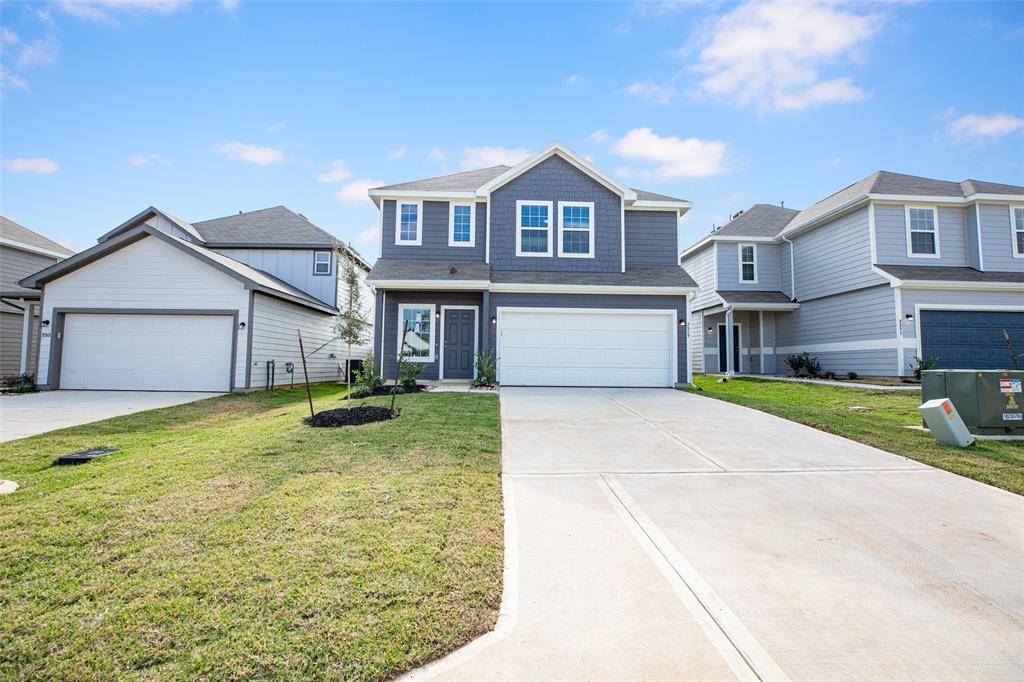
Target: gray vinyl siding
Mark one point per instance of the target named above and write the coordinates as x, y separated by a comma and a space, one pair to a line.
594, 301
696, 337
767, 260
860, 315
16, 264
954, 297
996, 239
10, 343
891, 237
652, 238
785, 271
973, 241
835, 257
294, 266
555, 179
768, 344
274, 337
701, 267
434, 239
390, 326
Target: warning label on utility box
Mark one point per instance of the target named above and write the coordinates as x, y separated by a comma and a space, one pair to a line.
1013, 416
1009, 386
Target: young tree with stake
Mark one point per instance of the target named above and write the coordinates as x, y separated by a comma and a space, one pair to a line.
352, 326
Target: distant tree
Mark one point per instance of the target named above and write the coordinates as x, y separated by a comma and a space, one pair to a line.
353, 325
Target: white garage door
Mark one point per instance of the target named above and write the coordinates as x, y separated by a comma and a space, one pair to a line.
581, 347
147, 352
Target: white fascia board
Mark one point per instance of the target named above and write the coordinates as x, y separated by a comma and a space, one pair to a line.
570, 156
32, 249
648, 204
825, 217
961, 286
711, 238
432, 284
519, 288
765, 306
431, 195
893, 281
956, 201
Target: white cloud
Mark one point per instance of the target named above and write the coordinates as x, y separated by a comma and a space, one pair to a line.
980, 126
834, 161
230, 6
250, 153
368, 237
623, 28
660, 94
8, 37
598, 136
40, 165
39, 51
438, 154
275, 127
574, 79
336, 172
484, 157
103, 11
771, 53
397, 153
10, 81
671, 157
355, 191
144, 159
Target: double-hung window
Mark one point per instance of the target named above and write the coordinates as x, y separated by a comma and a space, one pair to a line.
416, 331
576, 229
321, 262
461, 224
533, 228
1017, 230
409, 223
922, 232
748, 263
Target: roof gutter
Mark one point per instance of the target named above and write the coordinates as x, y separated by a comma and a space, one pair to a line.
792, 267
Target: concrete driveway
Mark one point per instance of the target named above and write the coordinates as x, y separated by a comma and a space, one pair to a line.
653, 534
27, 415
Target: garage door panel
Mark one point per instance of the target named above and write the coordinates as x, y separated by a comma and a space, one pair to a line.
586, 348
968, 339
147, 352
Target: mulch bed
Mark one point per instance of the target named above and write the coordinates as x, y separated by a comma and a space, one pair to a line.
353, 417
386, 390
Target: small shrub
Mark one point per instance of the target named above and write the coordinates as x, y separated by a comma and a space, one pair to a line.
804, 363
852, 376
486, 369
367, 377
19, 383
812, 365
796, 364
830, 375
408, 374
919, 365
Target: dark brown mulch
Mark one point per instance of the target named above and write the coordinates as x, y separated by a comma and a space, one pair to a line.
386, 390
354, 417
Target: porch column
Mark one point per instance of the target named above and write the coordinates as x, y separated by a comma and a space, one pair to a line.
729, 341
760, 340
26, 337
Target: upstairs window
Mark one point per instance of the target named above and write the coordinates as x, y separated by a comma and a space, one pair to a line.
461, 225
416, 330
533, 228
748, 263
576, 229
322, 263
1017, 230
922, 232
408, 219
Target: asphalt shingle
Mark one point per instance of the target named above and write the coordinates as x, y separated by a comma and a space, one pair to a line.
274, 226
19, 233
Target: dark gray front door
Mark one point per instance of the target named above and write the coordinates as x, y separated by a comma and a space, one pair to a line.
459, 337
971, 339
735, 348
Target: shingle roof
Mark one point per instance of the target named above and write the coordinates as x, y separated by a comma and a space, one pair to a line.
981, 187
466, 181
276, 226
644, 195
754, 297
19, 233
391, 269
633, 277
940, 273
760, 220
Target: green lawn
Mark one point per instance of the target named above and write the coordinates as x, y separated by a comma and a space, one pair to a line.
827, 408
228, 540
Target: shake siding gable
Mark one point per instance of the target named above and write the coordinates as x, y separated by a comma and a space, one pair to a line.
651, 238
835, 257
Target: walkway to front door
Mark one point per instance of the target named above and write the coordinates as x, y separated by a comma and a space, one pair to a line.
458, 341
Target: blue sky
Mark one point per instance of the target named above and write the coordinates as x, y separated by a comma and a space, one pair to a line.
206, 109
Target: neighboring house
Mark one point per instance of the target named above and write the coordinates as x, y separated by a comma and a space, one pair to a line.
162, 304
22, 252
891, 268
567, 275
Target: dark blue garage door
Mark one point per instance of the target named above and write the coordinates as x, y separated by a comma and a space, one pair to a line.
963, 339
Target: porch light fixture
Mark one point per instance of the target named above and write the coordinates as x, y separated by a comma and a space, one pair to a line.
45, 323
908, 317
711, 330
437, 315
494, 320
682, 323
241, 325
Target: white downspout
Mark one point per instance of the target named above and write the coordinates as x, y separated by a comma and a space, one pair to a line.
792, 267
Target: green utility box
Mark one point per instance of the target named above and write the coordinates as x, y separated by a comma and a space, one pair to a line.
990, 402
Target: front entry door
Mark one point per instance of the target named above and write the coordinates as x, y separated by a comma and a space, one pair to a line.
459, 343
735, 348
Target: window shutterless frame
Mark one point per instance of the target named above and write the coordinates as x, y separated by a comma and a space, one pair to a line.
456, 211
910, 211
752, 262
416, 333
411, 209
531, 228
1017, 230
569, 226
321, 263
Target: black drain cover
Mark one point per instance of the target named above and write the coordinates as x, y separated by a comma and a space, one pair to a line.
84, 456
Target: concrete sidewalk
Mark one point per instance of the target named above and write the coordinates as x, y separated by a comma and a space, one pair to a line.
34, 413
654, 534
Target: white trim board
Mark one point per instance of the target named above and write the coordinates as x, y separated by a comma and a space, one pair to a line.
520, 203
572, 157
842, 346
910, 231
33, 249
398, 224
472, 224
591, 229
399, 324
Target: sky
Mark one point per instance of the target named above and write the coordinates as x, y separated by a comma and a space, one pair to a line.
204, 109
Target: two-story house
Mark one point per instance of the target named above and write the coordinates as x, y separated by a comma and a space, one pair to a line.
22, 252
563, 273
162, 304
891, 268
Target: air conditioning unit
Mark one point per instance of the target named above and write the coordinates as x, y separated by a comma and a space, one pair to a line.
990, 402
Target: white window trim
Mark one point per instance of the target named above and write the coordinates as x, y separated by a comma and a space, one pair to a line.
519, 228
472, 224
1015, 227
476, 335
739, 259
400, 323
316, 262
398, 223
591, 231
935, 219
